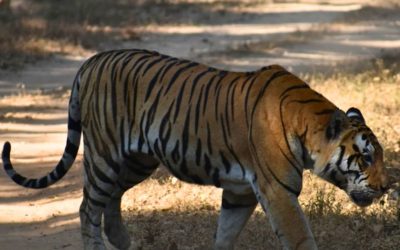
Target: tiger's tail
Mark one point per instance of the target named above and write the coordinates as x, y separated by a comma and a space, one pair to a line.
69, 155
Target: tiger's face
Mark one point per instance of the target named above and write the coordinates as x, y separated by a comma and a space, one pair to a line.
356, 165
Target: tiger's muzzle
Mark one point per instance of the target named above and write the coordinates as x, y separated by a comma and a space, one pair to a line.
364, 198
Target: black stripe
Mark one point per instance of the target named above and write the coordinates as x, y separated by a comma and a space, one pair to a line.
93, 184
71, 148
205, 100
179, 99
308, 101
250, 75
339, 160
169, 64
141, 134
185, 134
287, 187
264, 88
59, 170
266, 176
183, 167
165, 128
90, 221
333, 179
215, 177
122, 138
104, 114
197, 110
298, 171
113, 87
303, 86
246, 99
74, 125
42, 182
135, 85
198, 152
284, 130
157, 149
110, 162
93, 201
350, 160
207, 164
218, 92
225, 161
126, 60
100, 72
151, 85
326, 169
151, 64
325, 112
138, 168
356, 148
100, 175
232, 91
175, 153
229, 146
196, 80
362, 179
151, 114
228, 205
177, 74
209, 145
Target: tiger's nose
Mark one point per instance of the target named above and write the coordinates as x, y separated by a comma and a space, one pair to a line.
385, 188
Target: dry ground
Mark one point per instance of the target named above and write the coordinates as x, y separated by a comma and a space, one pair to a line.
349, 52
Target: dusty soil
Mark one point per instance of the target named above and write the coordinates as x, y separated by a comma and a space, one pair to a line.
306, 38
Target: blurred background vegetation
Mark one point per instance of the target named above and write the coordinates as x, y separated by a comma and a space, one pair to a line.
34, 29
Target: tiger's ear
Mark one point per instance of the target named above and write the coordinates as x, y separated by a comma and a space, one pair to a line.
355, 114
337, 124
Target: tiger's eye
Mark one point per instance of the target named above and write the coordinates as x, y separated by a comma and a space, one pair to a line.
367, 158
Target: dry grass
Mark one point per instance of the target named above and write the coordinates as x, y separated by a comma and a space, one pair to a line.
34, 30
163, 212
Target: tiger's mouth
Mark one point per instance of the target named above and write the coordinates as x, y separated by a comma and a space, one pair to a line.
364, 199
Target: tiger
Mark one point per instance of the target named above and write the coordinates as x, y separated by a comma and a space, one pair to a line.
250, 133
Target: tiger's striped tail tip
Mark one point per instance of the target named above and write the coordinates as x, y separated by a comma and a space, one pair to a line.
6, 151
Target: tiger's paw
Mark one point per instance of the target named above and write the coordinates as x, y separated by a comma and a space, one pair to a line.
223, 246
117, 234
93, 244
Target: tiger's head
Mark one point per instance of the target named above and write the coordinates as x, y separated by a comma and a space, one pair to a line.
356, 163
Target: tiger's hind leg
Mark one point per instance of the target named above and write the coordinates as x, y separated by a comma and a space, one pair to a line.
236, 209
99, 182
134, 170
104, 184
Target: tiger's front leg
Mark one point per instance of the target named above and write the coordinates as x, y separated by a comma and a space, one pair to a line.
236, 209
286, 216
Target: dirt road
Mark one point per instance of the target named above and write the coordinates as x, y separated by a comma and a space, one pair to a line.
301, 37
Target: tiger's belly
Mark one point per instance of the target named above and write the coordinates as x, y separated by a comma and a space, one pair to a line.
206, 172
192, 165
235, 180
